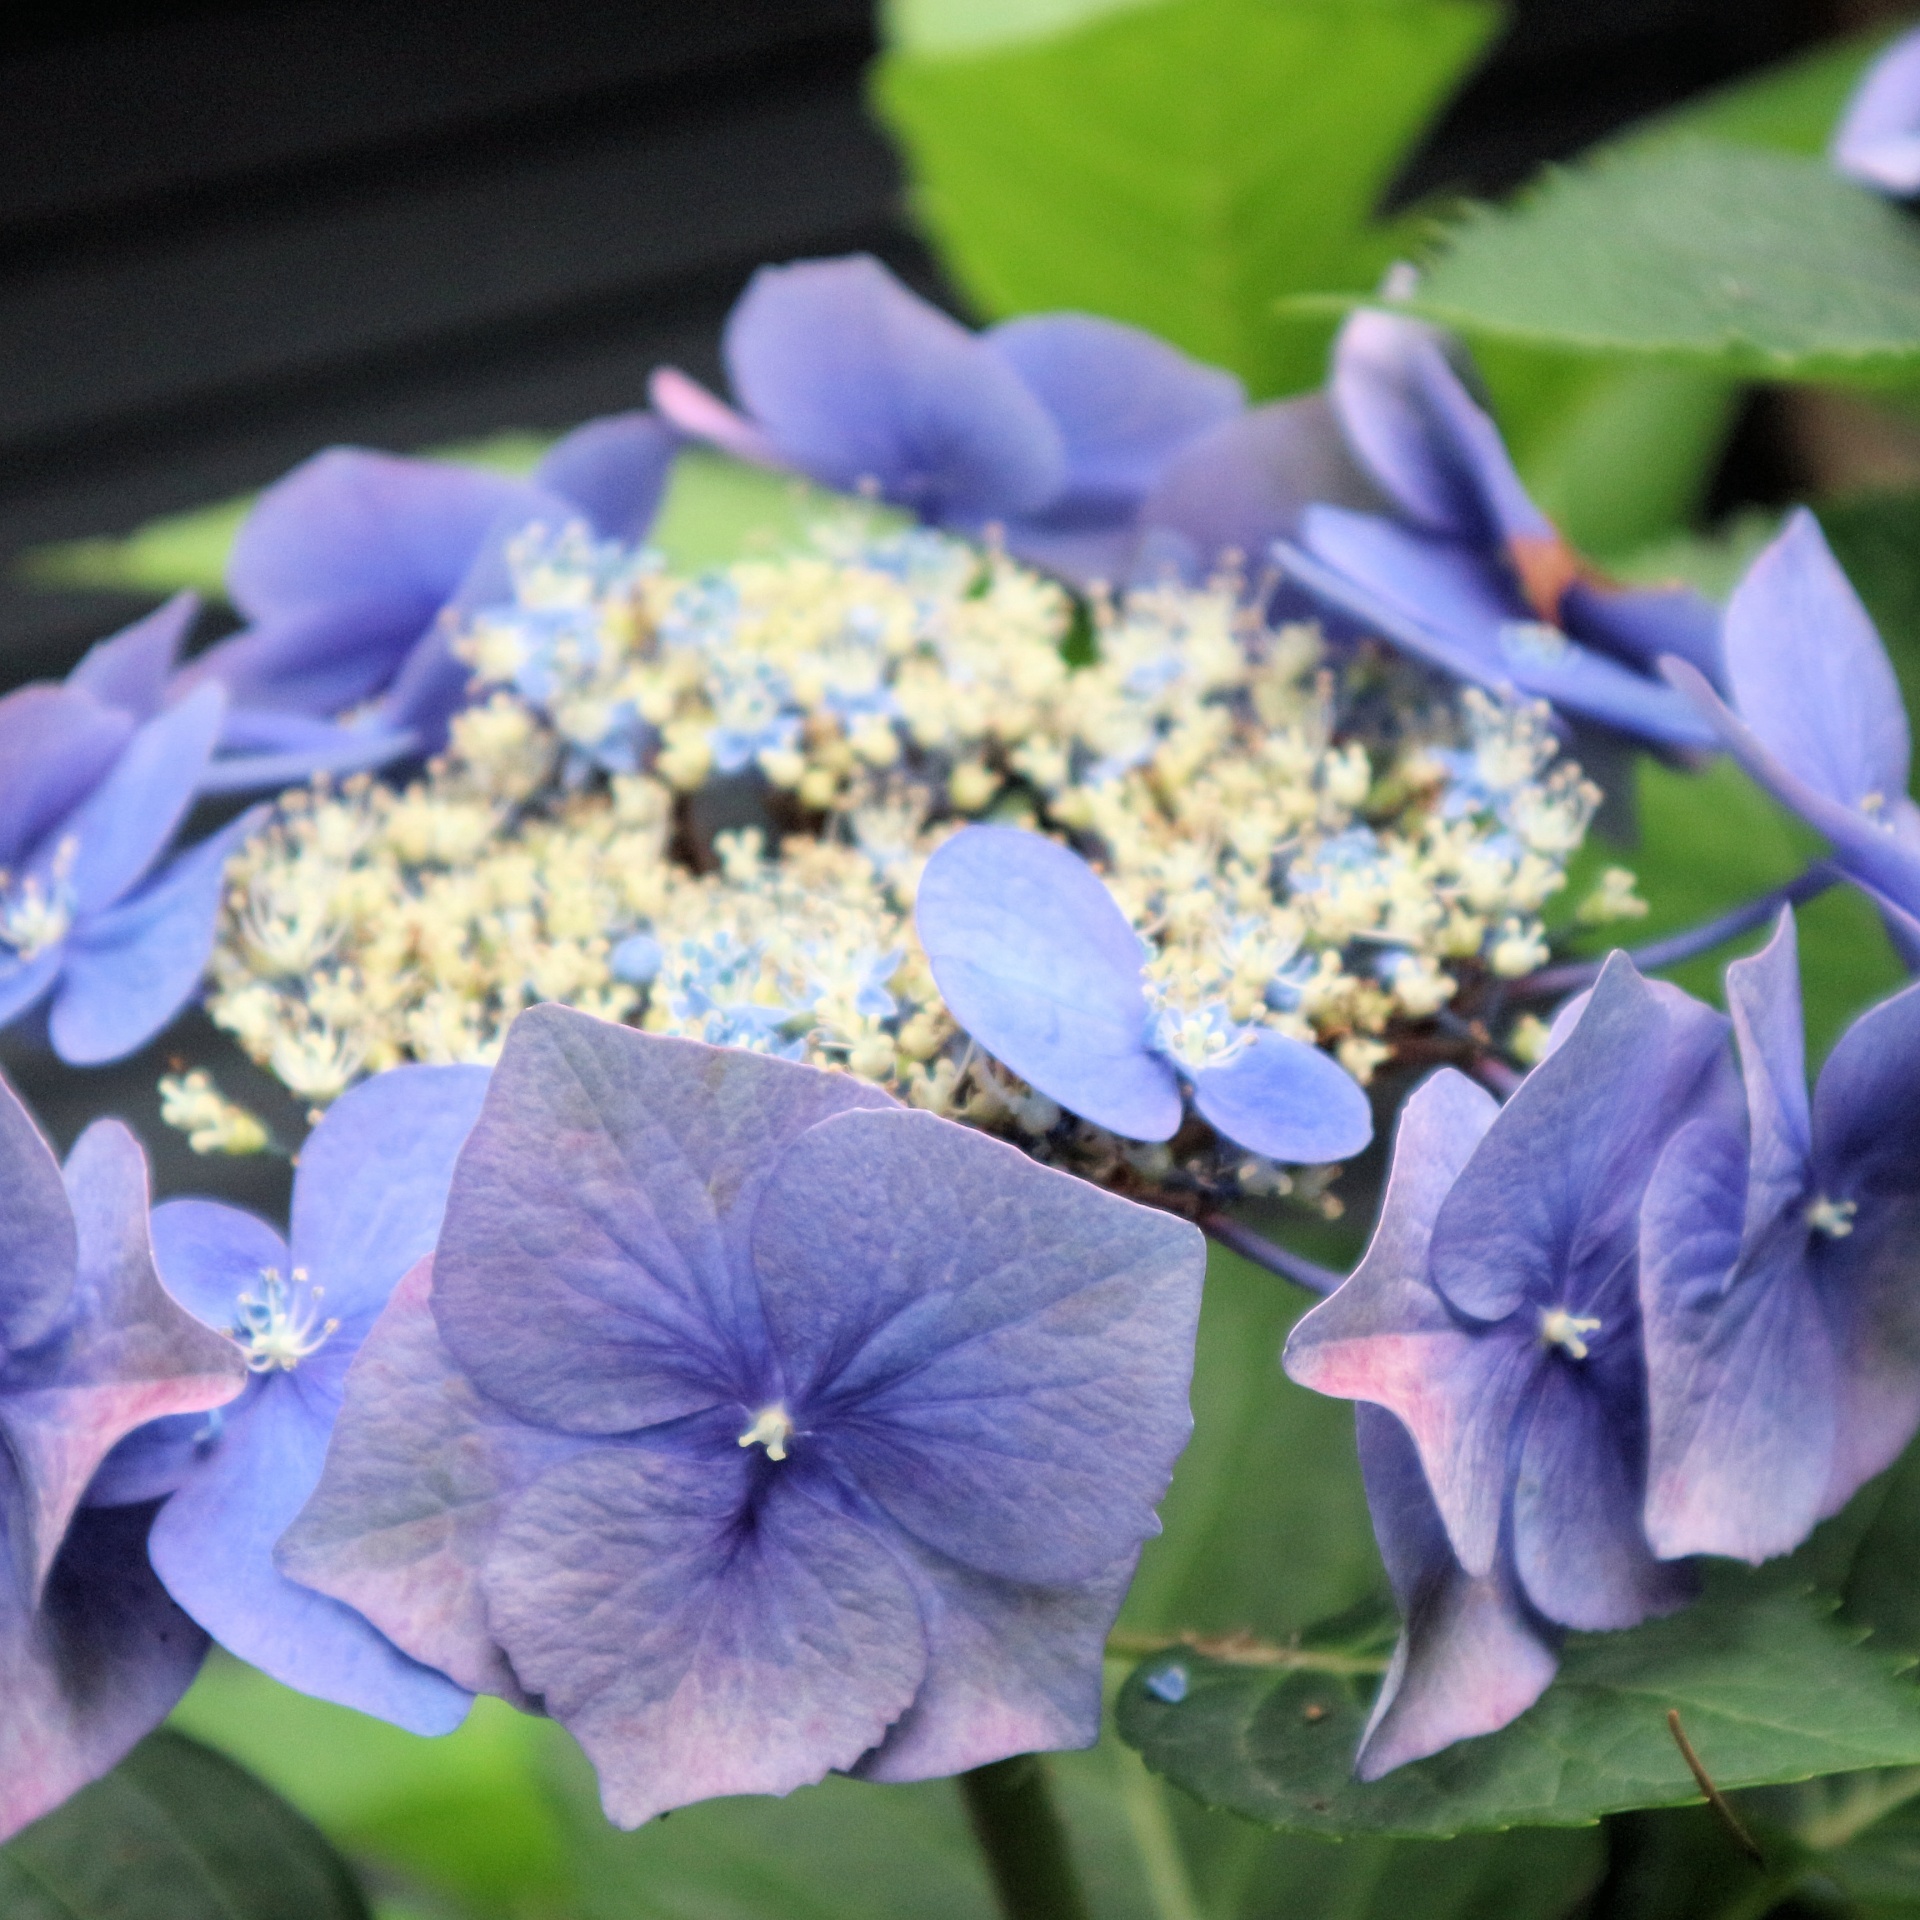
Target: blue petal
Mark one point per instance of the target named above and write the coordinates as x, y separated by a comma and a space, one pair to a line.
313, 660
130, 669
212, 1546
1422, 436
614, 470
1037, 962
1287, 1100
56, 745
1763, 995
1877, 141
129, 971
690, 1654
855, 379
1005, 1350
24, 986
352, 749
1471, 1657
1642, 623
593, 1271
1125, 401
209, 1255
38, 1247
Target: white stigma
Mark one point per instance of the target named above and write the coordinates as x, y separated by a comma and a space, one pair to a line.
772, 1428
1834, 1218
1559, 1328
279, 1324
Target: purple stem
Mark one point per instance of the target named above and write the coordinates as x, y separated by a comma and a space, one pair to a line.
1264, 1253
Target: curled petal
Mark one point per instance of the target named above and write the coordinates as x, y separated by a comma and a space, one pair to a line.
689, 408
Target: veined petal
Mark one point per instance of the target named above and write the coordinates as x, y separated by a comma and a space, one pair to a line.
1288, 1100
1037, 962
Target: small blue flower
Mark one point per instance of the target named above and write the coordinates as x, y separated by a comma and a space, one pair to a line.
1816, 716
88, 804
367, 1201
94, 1653
1878, 139
757, 1425
1496, 1317
1465, 572
1780, 1277
1037, 962
1055, 426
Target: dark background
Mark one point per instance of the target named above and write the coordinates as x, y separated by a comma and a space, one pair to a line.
231, 233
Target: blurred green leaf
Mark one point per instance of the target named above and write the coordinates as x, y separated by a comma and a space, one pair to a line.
1727, 258
1769, 1685
175, 1832
1178, 166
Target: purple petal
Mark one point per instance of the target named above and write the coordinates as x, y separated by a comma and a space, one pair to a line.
1246, 483
614, 470
1878, 139
1643, 623
1384, 1335
1763, 995
1863, 847
1578, 1492
1423, 438
853, 378
312, 660
120, 829
1036, 961
1077, 552
38, 1246
1866, 1122
1005, 1350
128, 972
212, 1546
1010, 1669
354, 749
209, 1255
100, 1666
1287, 1100
416, 1474
24, 986
1553, 1190
1125, 401
690, 409
56, 745
373, 1180
355, 526
1470, 1657
1809, 675
593, 1270
692, 1654
130, 669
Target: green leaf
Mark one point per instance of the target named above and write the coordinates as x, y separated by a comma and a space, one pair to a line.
1769, 1687
1695, 252
175, 1832
1179, 165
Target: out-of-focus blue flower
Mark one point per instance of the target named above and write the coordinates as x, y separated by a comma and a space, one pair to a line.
1780, 1277
1816, 716
1496, 1317
367, 1202
92, 1653
1466, 572
1037, 962
1878, 139
88, 803
1055, 426
758, 1425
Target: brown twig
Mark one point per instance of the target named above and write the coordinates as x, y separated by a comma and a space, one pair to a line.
1715, 1798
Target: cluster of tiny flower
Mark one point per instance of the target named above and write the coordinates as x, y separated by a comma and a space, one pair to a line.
1328, 851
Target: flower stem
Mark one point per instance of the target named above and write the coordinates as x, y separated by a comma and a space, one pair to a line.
1551, 982
1264, 1253
1010, 1803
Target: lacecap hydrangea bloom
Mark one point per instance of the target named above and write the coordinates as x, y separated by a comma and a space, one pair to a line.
757, 1425
93, 1654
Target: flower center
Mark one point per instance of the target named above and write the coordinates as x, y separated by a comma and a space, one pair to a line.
278, 1324
1559, 1328
1834, 1218
37, 914
772, 1428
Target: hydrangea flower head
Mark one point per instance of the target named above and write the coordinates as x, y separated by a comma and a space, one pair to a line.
92, 1652
88, 804
1467, 573
1040, 965
1496, 1317
758, 1425
1814, 714
367, 1201
1056, 426
1778, 1277
1877, 141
